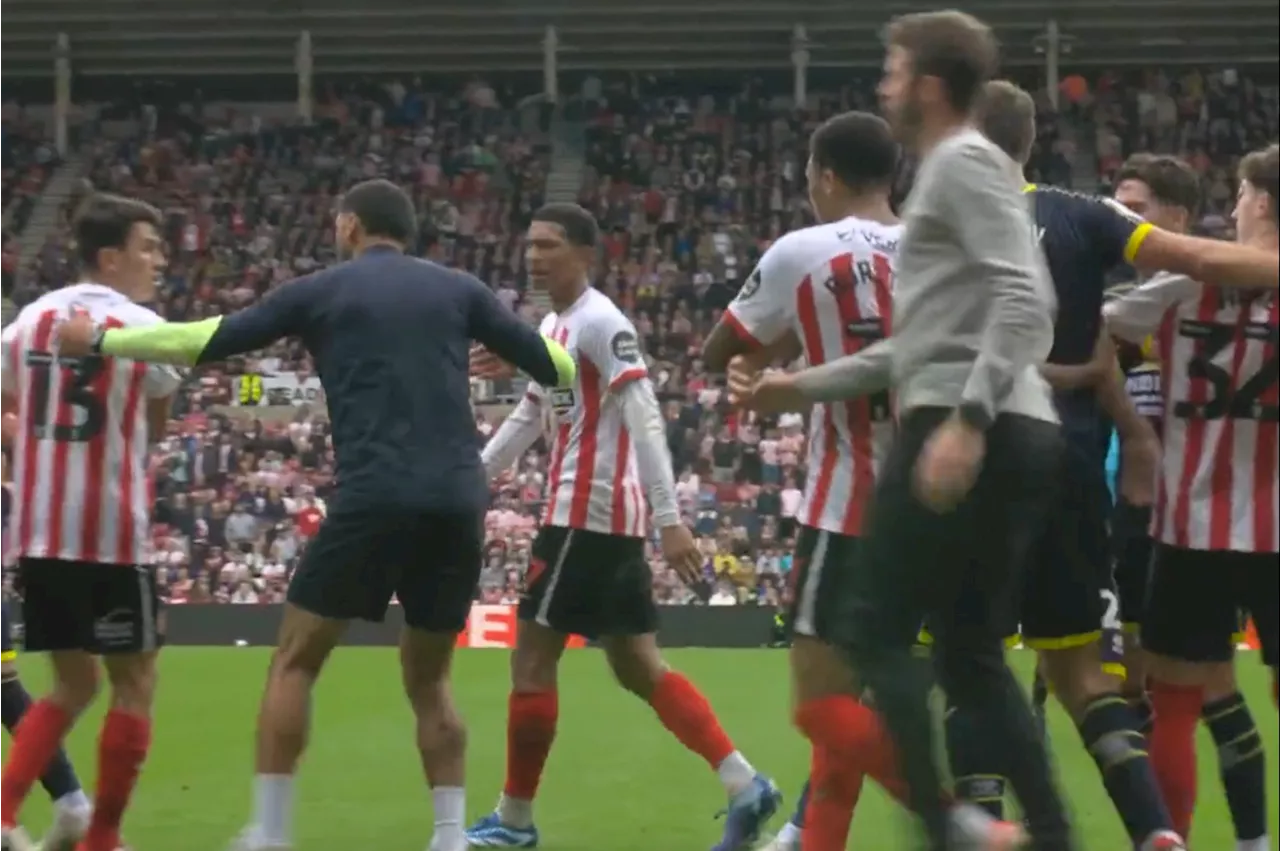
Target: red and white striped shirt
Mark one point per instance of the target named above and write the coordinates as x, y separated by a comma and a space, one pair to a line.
80, 454
832, 284
1220, 362
594, 479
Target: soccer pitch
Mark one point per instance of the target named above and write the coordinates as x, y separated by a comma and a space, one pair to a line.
616, 781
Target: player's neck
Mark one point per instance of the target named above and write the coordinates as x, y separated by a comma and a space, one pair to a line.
869, 209
934, 129
562, 302
370, 244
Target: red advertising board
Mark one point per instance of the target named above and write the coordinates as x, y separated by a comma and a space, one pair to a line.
495, 626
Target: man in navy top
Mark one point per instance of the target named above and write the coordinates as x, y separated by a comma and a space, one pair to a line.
390, 336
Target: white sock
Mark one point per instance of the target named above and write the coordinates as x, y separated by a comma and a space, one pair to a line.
1262, 843
75, 802
969, 822
735, 773
515, 812
789, 835
273, 808
450, 804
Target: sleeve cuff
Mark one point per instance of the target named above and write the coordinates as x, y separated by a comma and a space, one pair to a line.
626, 376
742, 332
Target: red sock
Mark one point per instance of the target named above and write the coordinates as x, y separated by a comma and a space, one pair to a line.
531, 728
1173, 748
834, 786
122, 748
35, 741
841, 724
686, 713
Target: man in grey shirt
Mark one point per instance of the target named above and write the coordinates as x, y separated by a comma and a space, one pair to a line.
968, 482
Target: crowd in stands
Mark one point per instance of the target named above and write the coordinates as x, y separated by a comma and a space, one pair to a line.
689, 189
28, 161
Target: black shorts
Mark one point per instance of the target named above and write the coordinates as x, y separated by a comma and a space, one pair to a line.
430, 561
589, 584
82, 605
956, 569
1196, 598
1068, 594
1131, 548
819, 583
7, 654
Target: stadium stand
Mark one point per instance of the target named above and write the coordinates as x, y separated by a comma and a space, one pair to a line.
692, 175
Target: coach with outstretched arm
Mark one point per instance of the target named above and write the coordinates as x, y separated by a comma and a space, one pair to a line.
390, 336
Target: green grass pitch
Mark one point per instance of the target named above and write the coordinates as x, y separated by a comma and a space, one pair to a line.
616, 780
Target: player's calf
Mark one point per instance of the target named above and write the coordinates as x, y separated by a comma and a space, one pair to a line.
122, 745
1134, 688
638, 666
533, 711
1241, 765
978, 778
36, 740
304, 643
59, 779
843, 733
425, 659
1110, 732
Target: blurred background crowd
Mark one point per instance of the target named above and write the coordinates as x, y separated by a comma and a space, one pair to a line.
690, 183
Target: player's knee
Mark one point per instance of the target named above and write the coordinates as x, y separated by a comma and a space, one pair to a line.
1135, 666
1076, 675
818, 670
1180, 672
76, 681
536, 659
636, 663
133, 681
425, 661
1219, 681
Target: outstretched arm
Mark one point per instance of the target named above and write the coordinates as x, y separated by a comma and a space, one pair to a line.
1151, 249
281, 314
503, 332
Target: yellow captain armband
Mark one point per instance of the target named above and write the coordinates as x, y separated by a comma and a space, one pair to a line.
1134, 243
1148, 346
566, 368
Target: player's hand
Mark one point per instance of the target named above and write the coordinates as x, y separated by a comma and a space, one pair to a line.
769, 392
680, 549
949, 464
75, 335
485, 364
1139, 463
